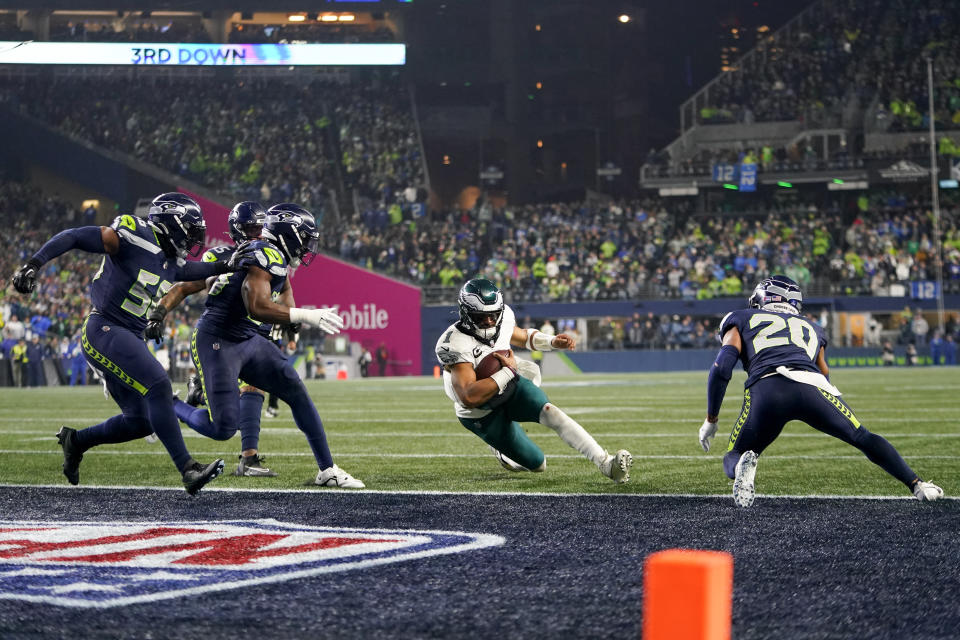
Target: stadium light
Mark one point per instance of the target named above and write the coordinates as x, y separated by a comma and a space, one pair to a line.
734, 187
328, 18
623, 18
347, 17
837, 181
784, 184
296, 17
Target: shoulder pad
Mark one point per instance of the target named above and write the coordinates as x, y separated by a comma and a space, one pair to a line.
216, 253
455, 349
729, 322
270, 258
135, 231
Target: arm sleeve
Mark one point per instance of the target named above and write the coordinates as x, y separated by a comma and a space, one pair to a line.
191, 271
84, 238
719, 377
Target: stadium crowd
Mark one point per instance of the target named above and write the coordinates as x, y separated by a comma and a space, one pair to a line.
870, 50
273, 140
650, 249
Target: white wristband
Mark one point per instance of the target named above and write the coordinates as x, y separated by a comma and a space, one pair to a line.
503, 377
542, 342
299, 315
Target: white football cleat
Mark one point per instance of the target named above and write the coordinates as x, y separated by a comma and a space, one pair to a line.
927, 491
506, 462
617, 466
743, 490
336, 477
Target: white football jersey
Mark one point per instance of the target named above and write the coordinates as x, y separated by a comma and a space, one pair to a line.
455, 346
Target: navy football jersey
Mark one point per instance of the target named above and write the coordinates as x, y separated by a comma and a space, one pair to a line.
772, 339
226, 314
220, 253
128, 283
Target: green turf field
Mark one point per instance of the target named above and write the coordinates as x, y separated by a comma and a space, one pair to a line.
400, 434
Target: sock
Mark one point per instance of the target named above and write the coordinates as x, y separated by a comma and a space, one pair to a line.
113, 431
165, 425
249, 420
308, 420
880, 452
572, 433
273, 402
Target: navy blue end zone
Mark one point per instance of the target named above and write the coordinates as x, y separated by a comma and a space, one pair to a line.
570, 566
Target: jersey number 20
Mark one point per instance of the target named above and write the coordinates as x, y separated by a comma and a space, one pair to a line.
806, 340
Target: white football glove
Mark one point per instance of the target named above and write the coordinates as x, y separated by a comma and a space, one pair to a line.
325, 319
707, 431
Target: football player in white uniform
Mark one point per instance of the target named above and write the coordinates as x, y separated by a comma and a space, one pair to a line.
492, 407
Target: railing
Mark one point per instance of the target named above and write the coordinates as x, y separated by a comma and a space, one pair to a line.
434, 295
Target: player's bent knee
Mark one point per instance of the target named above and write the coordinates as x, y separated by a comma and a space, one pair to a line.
250, 389
541, 468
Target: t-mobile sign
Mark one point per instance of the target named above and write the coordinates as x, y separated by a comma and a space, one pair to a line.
375, 309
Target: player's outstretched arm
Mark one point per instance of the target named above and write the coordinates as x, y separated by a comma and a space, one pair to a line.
89, 239
717, 381
535, 340
256, 292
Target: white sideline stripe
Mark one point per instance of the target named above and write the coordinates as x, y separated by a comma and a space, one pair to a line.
539, 494
435, 434
340, 454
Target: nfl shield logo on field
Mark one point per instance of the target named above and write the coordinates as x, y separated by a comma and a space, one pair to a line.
107, 564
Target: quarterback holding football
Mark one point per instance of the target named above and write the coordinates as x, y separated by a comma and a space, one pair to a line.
492, 390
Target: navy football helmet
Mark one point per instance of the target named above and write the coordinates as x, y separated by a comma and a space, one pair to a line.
179, 221
480, 303
246, 221
294, 230
777, 293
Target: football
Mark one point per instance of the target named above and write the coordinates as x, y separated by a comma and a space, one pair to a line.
490, 364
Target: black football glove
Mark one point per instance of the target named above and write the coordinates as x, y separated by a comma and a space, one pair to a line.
154, 328
291, 331
243, 256
25, 279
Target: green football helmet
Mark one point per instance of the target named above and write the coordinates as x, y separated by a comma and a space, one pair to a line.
481, 309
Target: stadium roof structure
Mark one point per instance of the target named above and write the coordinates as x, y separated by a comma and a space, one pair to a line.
202, 5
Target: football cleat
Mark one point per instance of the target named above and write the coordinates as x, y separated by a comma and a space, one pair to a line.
252, 467
272, 412
617, 466
72, 455
197, 475
195, 391
506, 462
743, 489
336, 477
927, 491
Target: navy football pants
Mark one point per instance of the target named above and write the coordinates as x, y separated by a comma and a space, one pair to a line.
137, 383
221, 362
773, 401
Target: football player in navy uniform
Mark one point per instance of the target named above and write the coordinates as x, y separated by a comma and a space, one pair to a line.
492, 407
143, 258
228, 345
783, 355
244, 222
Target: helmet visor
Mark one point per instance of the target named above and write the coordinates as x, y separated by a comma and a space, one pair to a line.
485, 319
196, 236
311, 247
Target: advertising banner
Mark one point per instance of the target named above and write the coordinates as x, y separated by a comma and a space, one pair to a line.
375, 309
173, 54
